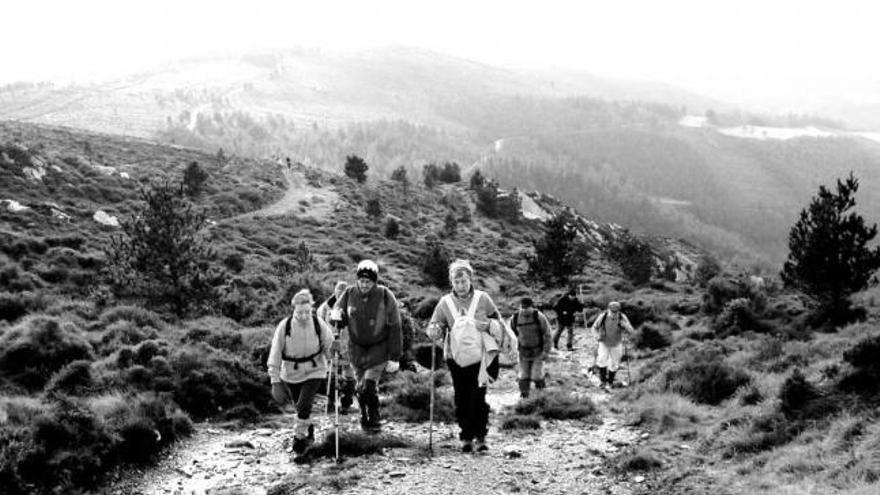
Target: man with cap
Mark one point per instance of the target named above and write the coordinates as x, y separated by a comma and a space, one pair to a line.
610, 328
343, 375
370, 313
533, 333
565, 308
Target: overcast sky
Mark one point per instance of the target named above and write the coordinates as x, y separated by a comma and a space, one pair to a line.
737, 50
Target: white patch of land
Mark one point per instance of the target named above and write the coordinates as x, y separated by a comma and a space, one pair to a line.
14, 206
103, 218
531, 210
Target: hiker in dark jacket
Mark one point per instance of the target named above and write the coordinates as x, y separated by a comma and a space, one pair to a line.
469, 381
369, 311
610, 328
532, 329
345, 379
566, 307
297, 364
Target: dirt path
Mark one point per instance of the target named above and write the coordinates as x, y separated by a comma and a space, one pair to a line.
563, 457
300, 199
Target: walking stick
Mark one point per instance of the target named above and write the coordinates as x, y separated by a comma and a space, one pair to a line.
431, 404
336, 402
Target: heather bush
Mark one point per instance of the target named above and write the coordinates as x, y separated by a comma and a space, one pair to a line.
705, 377
653, 336
140, 316
558, 405
37, 347
73, 379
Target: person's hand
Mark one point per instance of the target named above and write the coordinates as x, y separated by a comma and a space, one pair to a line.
279, 393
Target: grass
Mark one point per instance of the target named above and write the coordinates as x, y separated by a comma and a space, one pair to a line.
520, 422
352, 444
409, 397
558, 405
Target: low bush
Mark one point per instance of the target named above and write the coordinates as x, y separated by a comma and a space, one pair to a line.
410, 396
639, 461
422, 354
140, 316
705, 377
653, 336
351, 444
558, 405
73, 379
520, 422
37, 347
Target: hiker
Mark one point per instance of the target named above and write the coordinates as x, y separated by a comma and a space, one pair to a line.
369, 312
297, 364
480, 365
565, 308
343, 376
610, 327
532, 328
408, 330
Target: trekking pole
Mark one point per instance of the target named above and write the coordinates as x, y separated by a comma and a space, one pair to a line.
336, 403
431, 404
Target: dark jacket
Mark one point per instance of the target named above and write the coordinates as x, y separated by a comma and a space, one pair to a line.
565, 308
373, 323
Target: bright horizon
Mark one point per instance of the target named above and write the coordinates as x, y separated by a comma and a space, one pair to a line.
745, 52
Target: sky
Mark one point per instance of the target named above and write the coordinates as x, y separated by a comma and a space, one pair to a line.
741, 50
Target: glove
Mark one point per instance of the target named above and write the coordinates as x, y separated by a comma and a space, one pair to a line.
279, 393
392, 366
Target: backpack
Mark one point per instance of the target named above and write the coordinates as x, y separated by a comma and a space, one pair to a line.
508, 344
383, 308
529, 332
311, 357
465, 341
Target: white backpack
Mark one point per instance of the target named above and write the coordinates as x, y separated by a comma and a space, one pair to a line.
465, 341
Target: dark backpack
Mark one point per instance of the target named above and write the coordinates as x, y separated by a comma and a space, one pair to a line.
383, 308
529, 333
311, 357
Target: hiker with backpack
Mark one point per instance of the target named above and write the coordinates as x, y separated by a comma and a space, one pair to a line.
610, 328
532, 328
566, 307
370, 313
297, 364
462, 319
343, 376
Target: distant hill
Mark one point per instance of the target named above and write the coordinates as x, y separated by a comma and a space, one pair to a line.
609, 147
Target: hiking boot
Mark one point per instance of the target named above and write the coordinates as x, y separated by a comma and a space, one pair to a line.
481, 445
467, 446
312, 433
300, 445
524, 386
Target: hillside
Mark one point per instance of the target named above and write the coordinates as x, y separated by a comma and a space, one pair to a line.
728, 389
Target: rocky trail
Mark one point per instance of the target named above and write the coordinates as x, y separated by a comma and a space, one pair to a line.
562, 457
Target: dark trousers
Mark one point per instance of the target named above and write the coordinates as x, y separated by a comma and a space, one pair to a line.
303, 394
560, 330
471, 409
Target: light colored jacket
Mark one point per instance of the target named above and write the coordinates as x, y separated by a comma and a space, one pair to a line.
302, 341
610, 330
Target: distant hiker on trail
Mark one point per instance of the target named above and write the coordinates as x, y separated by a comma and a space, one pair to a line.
532, 329
370, 313
345, 380
565, 308
610, 328
462, 319
297, 364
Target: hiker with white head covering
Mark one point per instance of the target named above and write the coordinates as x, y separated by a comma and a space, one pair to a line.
610, 328
370, 313
346, 379
297, 364
462, 319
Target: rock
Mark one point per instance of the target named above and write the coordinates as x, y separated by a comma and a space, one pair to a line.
103, 218
645, 435
397, 474
639, 479
244, 444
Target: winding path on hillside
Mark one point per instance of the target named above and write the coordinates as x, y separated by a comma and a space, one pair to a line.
299, 199
563, 457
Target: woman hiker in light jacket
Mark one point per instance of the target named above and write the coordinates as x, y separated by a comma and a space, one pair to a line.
471, 409
610, 329
297, 364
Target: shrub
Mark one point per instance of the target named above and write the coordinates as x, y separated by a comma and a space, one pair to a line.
410, 398
520, 422
234, 262
707, 269
557, 405
425, 308
37, 347
140, 316
436, 265
392, 228
12, 306
558, 254
356, 168
634, 256
351, 444
422, 355
638, 461
653, 337
705, 378
74, 379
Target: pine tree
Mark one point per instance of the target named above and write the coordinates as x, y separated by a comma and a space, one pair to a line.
356, 168
194, 178
161, 256
436, 263
829, 258
558, 254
